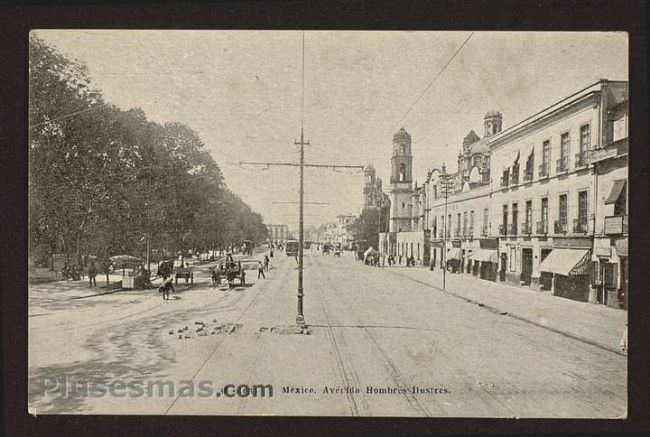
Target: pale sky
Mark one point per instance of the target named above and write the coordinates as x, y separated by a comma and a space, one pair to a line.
240, 90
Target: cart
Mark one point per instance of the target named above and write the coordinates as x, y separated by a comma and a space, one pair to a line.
185, 273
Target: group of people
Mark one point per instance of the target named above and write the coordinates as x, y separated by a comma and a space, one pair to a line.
410, 260
263, 266
75, 273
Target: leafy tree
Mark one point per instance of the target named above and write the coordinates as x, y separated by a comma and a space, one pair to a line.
367, 227
107, 181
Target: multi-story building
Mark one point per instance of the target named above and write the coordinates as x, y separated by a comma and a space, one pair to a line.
342, 235
458, 207
543, 202
609, 158
278, 233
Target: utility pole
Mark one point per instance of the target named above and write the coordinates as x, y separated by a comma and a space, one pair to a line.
445, 192
300, 317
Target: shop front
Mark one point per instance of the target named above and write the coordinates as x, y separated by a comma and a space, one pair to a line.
610, 272
486, 262
569, 272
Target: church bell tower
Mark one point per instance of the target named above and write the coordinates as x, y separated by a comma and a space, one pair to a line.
401, 182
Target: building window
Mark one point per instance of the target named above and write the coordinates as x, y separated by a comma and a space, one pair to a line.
402, 173
563, 162
563, 210
585, 138
449, 225
530, 166
504, 225
529, 216
544, 229
471, 223
546, 158
515, 218
465, 223
486, 220
403, 205
582, 210
458, 224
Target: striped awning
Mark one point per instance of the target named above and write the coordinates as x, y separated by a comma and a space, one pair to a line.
615, 192
453, 253
566, 262
485, 255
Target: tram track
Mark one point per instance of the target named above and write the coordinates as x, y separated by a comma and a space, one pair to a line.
398, 377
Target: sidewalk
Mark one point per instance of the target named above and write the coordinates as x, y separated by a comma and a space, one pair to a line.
596, 324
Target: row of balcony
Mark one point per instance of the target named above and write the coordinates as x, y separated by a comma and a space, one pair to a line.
613, 225
561, 166
464, 234
559, 227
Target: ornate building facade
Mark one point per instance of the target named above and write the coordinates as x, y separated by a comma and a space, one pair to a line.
542, 203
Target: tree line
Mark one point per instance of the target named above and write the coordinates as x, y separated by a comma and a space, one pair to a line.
105, 181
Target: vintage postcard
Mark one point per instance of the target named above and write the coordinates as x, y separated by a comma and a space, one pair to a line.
328, 223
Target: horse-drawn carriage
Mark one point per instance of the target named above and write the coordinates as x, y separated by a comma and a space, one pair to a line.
184, 273
247, 247
228, 272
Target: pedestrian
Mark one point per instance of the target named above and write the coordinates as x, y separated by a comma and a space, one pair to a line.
260, 270
167, 285
266, 263
92, 273
73, 272
271, 252
399, 258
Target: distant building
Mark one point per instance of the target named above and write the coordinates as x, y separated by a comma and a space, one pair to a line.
278, 233
342, 235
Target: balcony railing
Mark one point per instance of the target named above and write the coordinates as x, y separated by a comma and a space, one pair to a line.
580, 226
484, 231
615, 225
543, 170
526, 228
582, 158
457, 233
560, 227
562, 165
514, 177
504, 181
542, 228
512, 229
502, 230
528, 174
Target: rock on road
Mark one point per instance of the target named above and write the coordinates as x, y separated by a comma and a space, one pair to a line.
380, 344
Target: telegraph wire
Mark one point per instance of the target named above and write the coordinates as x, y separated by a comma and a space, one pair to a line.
444, 67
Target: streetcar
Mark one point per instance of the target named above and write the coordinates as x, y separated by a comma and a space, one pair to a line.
291, 247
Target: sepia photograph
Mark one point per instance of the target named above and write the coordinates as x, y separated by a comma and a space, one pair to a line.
328, 223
